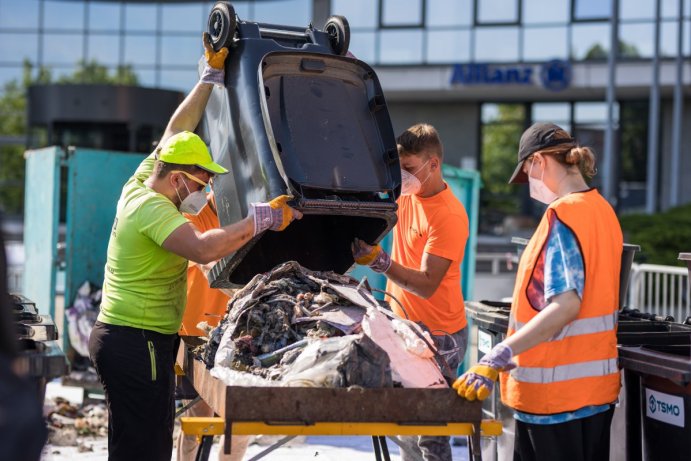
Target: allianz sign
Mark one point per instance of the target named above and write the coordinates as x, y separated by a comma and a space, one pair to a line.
554, 75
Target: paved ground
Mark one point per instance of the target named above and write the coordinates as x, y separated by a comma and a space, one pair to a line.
317, 448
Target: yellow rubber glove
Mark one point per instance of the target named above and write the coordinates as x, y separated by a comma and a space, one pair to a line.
215, 59
275, 215
478, 382
373, 256
214, 71
281, 203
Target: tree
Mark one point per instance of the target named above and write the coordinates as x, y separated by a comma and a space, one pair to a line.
500, 139
95, 73
626, 50
13, 120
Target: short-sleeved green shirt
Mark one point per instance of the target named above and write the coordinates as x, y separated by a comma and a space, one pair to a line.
145, 284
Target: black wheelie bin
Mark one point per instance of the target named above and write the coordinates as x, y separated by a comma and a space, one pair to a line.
299, 117
657, 376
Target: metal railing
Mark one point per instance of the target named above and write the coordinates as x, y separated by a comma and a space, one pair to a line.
661, 290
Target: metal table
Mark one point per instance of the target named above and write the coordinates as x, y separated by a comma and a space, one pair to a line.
295, 411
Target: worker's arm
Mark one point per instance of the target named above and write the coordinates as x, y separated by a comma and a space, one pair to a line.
190, 111
563, 310
422, 282
478, 382
214, 244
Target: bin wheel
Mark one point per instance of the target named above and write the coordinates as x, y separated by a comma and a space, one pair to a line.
338, 29
222, 25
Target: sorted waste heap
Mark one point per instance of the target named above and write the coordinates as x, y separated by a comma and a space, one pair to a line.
308, 328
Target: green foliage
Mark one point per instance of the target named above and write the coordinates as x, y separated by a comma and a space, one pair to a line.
662, 236
95, 73
626, 50
13, 120
499, 152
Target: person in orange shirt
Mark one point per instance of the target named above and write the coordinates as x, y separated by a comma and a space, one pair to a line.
423, 270
204, 304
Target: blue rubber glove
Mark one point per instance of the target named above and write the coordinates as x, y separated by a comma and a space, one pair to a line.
478, 382
373, 256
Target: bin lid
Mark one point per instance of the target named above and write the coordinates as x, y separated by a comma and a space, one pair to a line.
685, 256
670, 361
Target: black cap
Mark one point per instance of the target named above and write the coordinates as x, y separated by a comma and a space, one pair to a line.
539, 136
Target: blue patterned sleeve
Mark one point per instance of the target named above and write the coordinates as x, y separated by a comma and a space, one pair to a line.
564, 268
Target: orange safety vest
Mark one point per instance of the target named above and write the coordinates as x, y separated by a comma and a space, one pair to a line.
578, 366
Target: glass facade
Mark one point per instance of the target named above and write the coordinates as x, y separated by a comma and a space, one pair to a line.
159, 40
452, 31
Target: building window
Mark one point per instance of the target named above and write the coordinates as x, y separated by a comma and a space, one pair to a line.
589, 10
401, 13
15, 48
496, 44
545, 11
558, 113
184, 18
104, 49
63, 15
63, 48
590, 41
449, 13
400, 47
637, 9
363, 45
545, 43
104, 17
288, 12
360, 13
497, 12
19, 15
636, 40
456, 46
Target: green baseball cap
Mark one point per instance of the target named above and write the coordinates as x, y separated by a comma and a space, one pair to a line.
186, 148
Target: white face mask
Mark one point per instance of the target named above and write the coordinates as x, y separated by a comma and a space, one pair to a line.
194, 202
538, 189
410, 185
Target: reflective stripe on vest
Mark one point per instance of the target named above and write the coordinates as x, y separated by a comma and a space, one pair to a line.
565, 372
577, 327
577, 367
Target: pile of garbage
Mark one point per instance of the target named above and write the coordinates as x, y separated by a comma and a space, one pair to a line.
68, 422
296, 327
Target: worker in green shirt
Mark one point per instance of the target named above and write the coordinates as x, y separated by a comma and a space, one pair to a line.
133, 343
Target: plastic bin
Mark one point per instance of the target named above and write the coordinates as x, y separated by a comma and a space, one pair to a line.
659, 401
297, 117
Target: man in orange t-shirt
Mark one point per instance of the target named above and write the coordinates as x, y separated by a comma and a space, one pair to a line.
423, 270
204, 304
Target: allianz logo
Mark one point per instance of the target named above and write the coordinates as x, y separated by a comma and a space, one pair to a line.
655, 405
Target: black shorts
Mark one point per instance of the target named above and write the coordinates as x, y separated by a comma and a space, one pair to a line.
585, 439
136, 369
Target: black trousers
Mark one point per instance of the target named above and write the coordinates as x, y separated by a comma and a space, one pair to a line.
585, 439
136, 369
